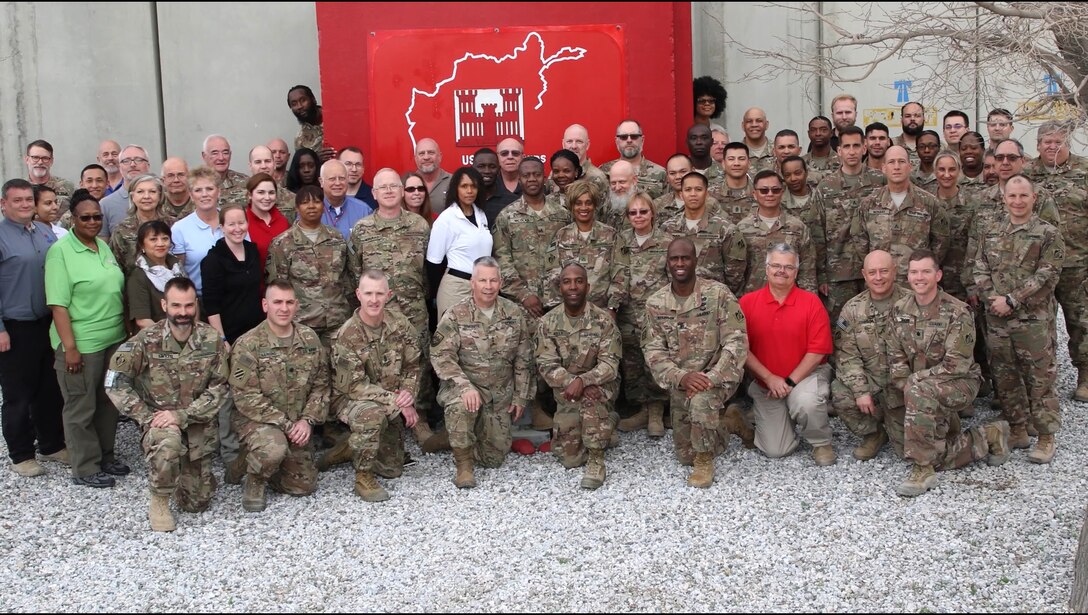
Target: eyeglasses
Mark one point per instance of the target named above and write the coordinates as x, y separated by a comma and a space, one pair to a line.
134, 161
40, 158
352, 165
706, 101
90, 217
415, 189
775, 190
510, 153
384, 187
638, 212
781, 267
1007, 157
630, 136
175, 176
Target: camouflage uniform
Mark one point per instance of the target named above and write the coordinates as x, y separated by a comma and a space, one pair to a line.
811, 211
1068, 184
64, 189
920, 222
1023, 261
153, 372
398, 247
787, 229
588, 347
232, 189
924, 181
761, 158
861, 366
821, 166
311, 136
277, 382
933, 376
652, 177
667, 206
522, 237
912, 152
370, 365
842, 194
595, 176
285, 202
722, 253
735, 203
594, 253
123, 241
960, 212
704, 332
177, 212
637, 272
715, 176
492, 355
320, 274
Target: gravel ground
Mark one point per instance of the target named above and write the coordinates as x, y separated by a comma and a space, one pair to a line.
770, 535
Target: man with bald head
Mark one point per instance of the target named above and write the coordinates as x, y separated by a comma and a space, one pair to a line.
341, 210
629, 143
109, 156
511, 151
900, 217
861, 359
428, 158
175, 185
262, 160
622, 183
134, 163
760, 149
576, 139
232, 184
281, 157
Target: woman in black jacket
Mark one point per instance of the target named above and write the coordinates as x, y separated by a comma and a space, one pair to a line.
231, 273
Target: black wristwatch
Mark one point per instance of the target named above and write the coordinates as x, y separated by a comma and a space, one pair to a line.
1010, 301
790, 382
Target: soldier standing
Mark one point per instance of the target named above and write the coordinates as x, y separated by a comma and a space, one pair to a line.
932, 375
171, 378
482, 352
279, 376
578, 354
695, 344
1016, 269
376, 360
769, 225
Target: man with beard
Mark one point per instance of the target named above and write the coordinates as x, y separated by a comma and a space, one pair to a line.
956, 124
281, 157
629, 143
311, 119
877, 142
428, 159
821, 156
134, 163
171, 378
622, 185
844, 112
989, 166
913, 118
109, 154
695, 345
39, 162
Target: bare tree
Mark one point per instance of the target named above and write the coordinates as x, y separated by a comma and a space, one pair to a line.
997, 49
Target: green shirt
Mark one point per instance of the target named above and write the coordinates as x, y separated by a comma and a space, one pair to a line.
89, 284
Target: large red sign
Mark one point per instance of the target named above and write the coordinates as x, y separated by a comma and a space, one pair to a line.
468, 89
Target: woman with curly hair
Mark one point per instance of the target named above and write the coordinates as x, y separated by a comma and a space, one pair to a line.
709, 96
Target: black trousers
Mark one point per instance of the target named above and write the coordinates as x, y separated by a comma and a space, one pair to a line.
32, 399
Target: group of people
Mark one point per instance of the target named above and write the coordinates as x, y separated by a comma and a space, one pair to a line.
742, 288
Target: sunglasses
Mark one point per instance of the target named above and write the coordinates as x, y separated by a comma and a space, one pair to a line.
510, 153
90, 217
630, 136
638, 212
774, 190
415, 188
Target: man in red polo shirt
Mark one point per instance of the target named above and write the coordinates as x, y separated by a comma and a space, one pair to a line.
789, 339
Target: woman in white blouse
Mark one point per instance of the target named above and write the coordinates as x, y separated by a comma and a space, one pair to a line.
459, 236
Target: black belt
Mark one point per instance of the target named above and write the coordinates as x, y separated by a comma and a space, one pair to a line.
459, 274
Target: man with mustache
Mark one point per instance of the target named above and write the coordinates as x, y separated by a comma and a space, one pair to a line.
311, 120
913, 118
39, 162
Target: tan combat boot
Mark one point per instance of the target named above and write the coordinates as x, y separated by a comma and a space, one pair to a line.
636, 421
703, 474
734, 422
464, 479
824, 455
921, 479
429, 441
162, 520
254, 498
1043, 452
367, 487
541, 420
870, 445
655, 426
999, 441
340, 453
594, 474
1018, 436
1081, 394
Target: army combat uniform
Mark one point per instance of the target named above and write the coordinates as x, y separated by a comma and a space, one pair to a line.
153, 372
232, 189
522, 238
319, 271
785, 229
842, 194
652, 178
593, 252
277, 382
492, 354
719, 246
918, 223
810, 209
589, 347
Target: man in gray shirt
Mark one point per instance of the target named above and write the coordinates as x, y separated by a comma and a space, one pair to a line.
134, 163
32, 398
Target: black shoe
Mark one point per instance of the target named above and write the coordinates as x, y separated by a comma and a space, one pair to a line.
97, 480
116, 468
408, 461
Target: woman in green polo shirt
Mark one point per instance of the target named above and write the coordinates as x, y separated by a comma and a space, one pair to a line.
83, 287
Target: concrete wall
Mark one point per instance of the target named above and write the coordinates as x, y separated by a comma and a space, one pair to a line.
77, 73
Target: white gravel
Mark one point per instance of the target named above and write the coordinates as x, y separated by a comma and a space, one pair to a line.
770, 535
